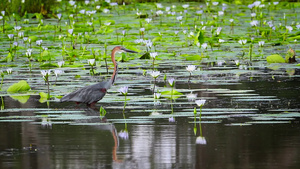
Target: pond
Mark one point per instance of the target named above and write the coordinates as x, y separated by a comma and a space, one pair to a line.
250, 118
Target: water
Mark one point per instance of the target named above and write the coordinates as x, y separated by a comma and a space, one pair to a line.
231, 142
250, 118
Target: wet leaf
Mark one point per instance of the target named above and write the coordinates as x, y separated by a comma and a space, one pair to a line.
21, 86
275, 59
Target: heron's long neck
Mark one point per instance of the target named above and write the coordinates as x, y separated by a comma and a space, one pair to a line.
114, 75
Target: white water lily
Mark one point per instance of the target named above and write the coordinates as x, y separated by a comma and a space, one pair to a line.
91, 62
159, 12
60, 63
254, 23
28, 52
171, 82
58, 72
39, 42
159, 5
220, 13
9, 70
45, 72
237, 62
253, 15
185, 6
157, 95
123, 90
153, 55
191, 68
71, 2
20, 34
191, 96
242, 41
70, 31
179, 18
215, 3
154, 74
105, 10
289, 28
261, 43
59, 16
17, 28
204, 46
90, 23
148, 20
200, 103
10, 36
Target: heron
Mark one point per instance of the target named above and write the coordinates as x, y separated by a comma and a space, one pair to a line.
93, 93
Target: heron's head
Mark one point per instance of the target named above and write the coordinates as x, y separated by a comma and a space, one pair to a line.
122, 49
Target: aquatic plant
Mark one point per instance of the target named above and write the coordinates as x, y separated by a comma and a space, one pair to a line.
46, 74
154, 74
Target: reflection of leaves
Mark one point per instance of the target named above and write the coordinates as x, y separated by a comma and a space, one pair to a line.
43, 98
19, 87
21, 98
290, 72
275, 59
167, 94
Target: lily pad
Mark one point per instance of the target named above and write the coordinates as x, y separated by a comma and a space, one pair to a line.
21, 86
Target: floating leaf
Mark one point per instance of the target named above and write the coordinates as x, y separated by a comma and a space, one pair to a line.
193, 57
19, 87
275, 59
168, 94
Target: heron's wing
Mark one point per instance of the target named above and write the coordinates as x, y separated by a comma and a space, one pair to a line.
87, 94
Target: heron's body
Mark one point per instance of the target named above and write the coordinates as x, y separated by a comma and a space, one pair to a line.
93, 93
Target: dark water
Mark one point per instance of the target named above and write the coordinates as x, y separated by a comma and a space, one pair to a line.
158, 143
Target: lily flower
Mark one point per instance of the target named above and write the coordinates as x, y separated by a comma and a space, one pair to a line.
171, 82
124, 90
191, 68
154, 74
200, 103
153, 55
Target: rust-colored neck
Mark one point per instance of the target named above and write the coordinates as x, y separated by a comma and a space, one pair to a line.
113, 77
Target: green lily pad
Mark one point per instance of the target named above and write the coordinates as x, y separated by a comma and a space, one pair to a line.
21, 86
275, 59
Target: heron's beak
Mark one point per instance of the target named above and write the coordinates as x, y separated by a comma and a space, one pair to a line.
130, 51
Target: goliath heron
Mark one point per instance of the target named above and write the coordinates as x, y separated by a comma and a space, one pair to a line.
93, 93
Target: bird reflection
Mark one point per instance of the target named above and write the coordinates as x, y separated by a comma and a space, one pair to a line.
109, 127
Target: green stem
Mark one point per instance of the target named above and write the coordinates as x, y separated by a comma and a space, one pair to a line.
1, 83
48, 97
